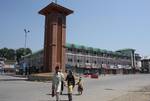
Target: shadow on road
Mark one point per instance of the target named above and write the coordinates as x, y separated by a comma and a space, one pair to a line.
54, 100
65, 94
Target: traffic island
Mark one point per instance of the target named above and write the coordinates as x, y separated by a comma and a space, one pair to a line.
45, 77
40, 77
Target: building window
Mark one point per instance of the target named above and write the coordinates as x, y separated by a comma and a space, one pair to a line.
78, 60
87, 61
69, 60
69, 49
78, 50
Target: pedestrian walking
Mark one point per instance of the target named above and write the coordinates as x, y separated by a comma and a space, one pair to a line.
70, 83
56, 83
80, 86
62, 82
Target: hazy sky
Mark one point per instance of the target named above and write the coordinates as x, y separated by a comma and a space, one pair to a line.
104, 24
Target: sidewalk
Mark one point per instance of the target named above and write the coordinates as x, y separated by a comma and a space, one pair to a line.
12, 77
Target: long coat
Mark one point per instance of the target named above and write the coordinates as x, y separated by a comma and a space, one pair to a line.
56, 81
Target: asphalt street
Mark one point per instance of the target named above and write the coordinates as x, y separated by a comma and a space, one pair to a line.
103, 89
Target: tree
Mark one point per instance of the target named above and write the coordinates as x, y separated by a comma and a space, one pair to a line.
3, 52
28, 51
22, 52
11, 54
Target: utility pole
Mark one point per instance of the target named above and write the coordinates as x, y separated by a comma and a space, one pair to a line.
25, 44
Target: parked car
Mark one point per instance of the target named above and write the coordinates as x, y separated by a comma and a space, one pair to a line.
94, 75
87, 74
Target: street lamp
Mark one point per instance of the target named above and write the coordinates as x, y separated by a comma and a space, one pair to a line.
25, 67
26, 31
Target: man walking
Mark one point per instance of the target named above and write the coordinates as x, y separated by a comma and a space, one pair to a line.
56, 83
62, 82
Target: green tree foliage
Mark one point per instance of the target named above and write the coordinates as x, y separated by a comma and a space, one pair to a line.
22, 52
3, 52
7, 53
11, 54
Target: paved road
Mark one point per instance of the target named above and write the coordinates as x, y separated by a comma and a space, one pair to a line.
103, 89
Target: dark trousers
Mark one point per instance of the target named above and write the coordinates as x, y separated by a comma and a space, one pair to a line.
62, 86
70, 97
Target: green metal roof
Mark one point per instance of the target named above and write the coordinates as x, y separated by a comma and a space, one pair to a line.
115, 53
76, 46
83, 47
109, 52
89, 48
118, 53
68, 45
126, 49
104, 51
41, 50
96, 49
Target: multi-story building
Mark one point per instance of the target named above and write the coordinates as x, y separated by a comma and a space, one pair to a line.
87, 59
2, 64
145, 64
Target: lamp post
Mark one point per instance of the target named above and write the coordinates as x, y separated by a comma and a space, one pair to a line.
26, 32
25, 67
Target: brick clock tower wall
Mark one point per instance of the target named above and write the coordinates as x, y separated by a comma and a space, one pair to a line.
55, 36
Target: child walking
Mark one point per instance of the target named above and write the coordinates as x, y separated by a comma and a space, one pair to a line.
70, 83
80, 86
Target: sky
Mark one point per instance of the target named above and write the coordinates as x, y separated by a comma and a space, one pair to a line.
104, 24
